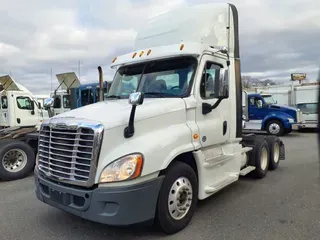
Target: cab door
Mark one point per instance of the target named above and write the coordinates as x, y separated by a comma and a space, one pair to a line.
214, 127
25, 113
215, 123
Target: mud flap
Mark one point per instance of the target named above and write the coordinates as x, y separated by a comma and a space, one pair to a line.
282, 151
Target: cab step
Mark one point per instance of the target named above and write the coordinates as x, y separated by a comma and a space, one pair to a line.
247, 170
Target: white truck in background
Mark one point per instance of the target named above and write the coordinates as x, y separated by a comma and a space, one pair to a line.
61, 95
19, 107
179, 138
303, 97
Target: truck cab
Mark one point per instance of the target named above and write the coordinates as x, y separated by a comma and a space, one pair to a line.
265, 114
19, 108
71, 94
61, 101
86, 94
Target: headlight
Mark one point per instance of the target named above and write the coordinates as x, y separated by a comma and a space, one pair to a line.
125, 168
291, 120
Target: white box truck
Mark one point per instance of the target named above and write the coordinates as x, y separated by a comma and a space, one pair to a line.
178, 139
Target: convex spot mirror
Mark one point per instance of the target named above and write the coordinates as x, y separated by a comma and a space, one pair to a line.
136, 98
48, 103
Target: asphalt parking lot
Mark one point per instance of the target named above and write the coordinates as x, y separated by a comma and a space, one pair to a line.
284, 205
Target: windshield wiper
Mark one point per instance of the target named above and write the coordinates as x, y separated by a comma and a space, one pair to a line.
160, 94
114, 96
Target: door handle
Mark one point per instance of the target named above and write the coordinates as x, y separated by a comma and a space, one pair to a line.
225, 126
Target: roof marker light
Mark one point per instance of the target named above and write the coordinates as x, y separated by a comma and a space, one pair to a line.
115, 59
141, 53
148, 53
181, 47
134, 55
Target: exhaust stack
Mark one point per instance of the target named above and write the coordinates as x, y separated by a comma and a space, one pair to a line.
101, 98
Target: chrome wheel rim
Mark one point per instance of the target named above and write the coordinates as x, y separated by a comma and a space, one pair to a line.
180, 198
276, 152
264, 158
274, 128
14, 160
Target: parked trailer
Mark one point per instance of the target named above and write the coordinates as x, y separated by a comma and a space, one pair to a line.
183, 141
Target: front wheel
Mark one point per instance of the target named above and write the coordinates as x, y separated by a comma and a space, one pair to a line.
275, 127
177, 198
17, 159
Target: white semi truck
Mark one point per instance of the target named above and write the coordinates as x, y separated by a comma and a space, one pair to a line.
19, 107
177, 141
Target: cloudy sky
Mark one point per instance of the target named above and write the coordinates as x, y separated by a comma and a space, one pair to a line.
276, 37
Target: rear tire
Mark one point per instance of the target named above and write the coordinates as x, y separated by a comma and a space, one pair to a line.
17, 159
274, 150
275, 127
261, 158
177, 198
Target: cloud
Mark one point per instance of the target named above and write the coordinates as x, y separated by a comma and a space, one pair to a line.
276, 38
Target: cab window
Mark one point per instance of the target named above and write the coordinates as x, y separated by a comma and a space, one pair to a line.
86, 97
66, 101
24, 103
4, 102
255, 102
209, 75
57, 102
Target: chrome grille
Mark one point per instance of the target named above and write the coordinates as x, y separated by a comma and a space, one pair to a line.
68, 150
299, 116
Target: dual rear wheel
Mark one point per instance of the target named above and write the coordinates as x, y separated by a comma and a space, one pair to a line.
265, 155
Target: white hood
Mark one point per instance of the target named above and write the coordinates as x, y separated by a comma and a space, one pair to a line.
114, 113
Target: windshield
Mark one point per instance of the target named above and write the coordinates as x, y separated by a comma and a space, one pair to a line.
308, 108
162, 78
269, 99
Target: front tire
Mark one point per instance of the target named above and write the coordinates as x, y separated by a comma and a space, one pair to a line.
17, 159
177, 198
275, 127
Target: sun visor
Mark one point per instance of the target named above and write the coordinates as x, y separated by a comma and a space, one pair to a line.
68, 80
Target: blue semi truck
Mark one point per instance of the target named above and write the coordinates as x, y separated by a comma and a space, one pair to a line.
261, 112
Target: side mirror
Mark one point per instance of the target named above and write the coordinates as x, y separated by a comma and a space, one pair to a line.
32, 107
136, 98
221, 85
48, 103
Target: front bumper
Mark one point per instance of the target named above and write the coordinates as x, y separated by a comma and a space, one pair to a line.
298, 126
108, 205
